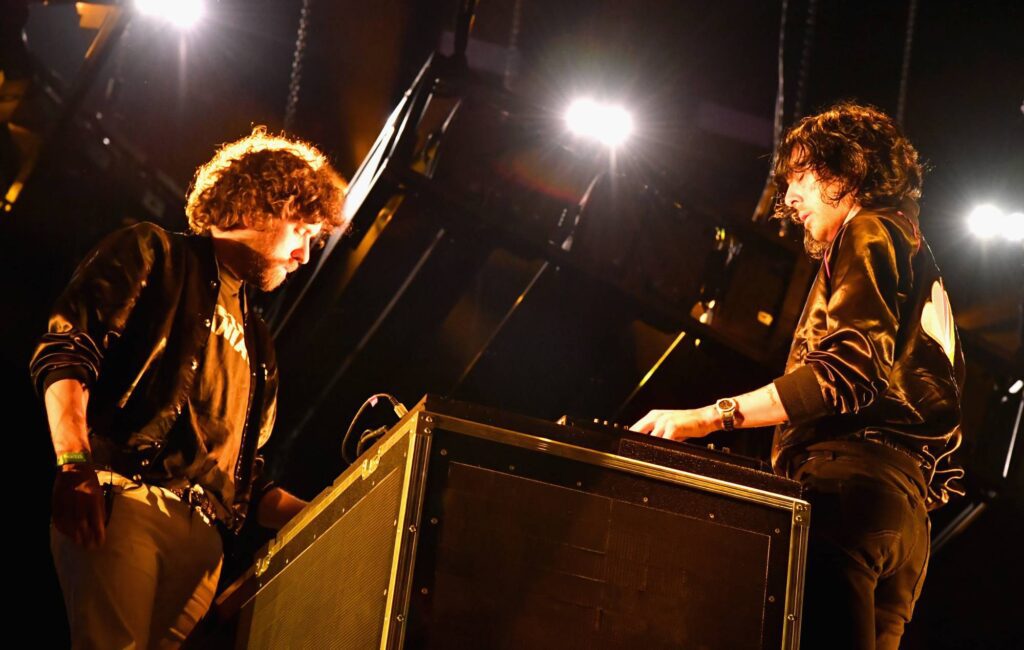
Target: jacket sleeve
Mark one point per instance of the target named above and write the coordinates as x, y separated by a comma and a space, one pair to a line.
91, 313
849, 367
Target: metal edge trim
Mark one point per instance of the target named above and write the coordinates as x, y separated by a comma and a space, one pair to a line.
320, 502
404, 558
798, 540
612, 461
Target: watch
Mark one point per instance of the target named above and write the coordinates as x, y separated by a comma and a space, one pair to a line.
726, 408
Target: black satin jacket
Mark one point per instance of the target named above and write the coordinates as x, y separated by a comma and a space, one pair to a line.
876, 355
131, 326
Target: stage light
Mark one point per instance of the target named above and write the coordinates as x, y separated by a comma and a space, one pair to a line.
988, 221
182, 13
985, 221
1015, 226
607, 123
1017, 385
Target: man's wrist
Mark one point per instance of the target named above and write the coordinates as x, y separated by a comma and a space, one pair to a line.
712, 419
728, 407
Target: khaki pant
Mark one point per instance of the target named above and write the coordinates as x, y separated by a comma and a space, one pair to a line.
152, 580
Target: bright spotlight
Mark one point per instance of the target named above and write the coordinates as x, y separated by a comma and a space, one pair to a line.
985, 221
182, 13
1017, 385
606, 123
1015, 226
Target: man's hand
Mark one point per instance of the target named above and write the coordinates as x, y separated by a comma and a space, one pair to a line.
277, 507
759, 408
78, 508
678, 425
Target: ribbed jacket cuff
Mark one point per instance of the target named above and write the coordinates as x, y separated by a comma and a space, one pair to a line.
801, 396
67, 372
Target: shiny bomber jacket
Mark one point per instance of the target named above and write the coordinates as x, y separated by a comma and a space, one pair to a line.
875, 354
131, 326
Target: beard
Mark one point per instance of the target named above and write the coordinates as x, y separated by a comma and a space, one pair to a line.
268, 278
815, 249
251, 262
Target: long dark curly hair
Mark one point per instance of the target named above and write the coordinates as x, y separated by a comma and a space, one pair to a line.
264, 177
858, 148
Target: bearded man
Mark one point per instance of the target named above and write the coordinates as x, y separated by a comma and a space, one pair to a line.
868, 410
160, 384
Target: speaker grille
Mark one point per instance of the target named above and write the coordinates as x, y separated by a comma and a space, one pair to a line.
310, 604
523, 563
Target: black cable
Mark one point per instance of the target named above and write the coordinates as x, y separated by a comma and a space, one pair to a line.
396, 406
368, 438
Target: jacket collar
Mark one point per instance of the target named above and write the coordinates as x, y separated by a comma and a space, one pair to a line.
904, 217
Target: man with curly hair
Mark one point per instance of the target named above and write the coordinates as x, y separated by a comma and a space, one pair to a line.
160, 385
868, 410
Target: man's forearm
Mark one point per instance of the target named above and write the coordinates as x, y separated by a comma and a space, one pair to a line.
66, 401
78, 507
277, 507
760, 408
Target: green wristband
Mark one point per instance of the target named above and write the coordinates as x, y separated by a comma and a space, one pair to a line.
73, 458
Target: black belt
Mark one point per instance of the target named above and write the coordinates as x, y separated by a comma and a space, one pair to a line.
921, 461
910, 463
199, 500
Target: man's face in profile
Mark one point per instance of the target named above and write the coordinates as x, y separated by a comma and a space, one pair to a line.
265, 257
807, 197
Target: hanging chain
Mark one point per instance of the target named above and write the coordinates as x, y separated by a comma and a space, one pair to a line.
780, 92
805, 59
901, 102
295, 81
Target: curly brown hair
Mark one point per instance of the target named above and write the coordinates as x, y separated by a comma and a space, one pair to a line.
857, 147
260, 178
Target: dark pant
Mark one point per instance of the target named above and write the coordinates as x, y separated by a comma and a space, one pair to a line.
869, 543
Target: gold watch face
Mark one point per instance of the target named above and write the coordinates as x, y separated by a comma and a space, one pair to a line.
726, 405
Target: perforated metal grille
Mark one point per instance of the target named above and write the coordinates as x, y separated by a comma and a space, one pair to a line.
334, 593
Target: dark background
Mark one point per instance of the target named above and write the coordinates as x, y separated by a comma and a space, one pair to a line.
701, 79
